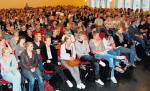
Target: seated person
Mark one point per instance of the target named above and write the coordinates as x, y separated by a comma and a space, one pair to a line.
83, 50
99, 51
9, 69
29, 64
50, 59
68, 52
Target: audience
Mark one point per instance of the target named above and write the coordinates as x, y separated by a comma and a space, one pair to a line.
51, 37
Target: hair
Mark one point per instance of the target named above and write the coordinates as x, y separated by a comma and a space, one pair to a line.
94, 33
27, 44
2, 37
46, 37
5, 49
81, 33
21, 37
66, 37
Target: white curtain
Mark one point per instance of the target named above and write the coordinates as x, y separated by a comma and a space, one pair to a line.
136, 4
120, 3
145, 4
127, 3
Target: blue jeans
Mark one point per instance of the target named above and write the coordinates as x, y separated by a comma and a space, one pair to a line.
31, 77
15, 78
126, 50
94, 62
110, 58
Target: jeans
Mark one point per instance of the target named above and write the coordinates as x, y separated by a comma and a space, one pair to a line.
94, 62
15, 78
126, 50
31, 77
110, 58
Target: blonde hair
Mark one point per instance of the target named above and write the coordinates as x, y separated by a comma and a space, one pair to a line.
66, 37
5, 49
27, 44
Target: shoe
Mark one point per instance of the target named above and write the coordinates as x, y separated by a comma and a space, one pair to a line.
134, 65
120, 57
69, 83
99, 81
102, 63
82, 85
79, 86
138, 59
113, 79
118, 69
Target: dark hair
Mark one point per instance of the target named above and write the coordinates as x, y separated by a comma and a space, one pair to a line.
20, 37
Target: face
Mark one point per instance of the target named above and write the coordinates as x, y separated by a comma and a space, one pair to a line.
22, 41
6, 52
16, 34
96, 36
2, 42
83, 37
48, 41
30, 47
38, 37
69, 40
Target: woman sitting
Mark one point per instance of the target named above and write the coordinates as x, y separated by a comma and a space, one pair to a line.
9, 69
98, 49
68, 52
29, 65
50, 59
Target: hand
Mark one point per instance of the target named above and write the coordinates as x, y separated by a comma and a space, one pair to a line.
33, 70
59, 63
38, 51
48, 61
71, 58
125, 45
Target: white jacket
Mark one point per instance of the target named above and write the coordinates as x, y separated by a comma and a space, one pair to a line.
66, 56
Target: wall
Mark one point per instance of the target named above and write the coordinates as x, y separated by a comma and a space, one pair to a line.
36, 3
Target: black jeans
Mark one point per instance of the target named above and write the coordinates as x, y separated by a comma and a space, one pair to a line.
94, 62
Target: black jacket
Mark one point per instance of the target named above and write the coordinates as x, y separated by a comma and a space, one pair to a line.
49, 66
25, 63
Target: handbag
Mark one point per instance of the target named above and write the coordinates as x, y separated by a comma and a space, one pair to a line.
72, 63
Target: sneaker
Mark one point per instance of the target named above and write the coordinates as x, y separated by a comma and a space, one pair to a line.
69, 83
113, 79
79, 86
102, 63
120, 57
118, 69
99, 81
82, 85
134, 65
138, 59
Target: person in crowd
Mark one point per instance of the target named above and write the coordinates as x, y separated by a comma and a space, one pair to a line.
50, 60
20, 47
83, 52
68, 52
9, 69
29, 64
14, 40
99, 51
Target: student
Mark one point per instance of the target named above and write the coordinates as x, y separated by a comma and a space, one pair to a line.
99, 51
50, 60
83, 50
29, 65
68, 52
9, 69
